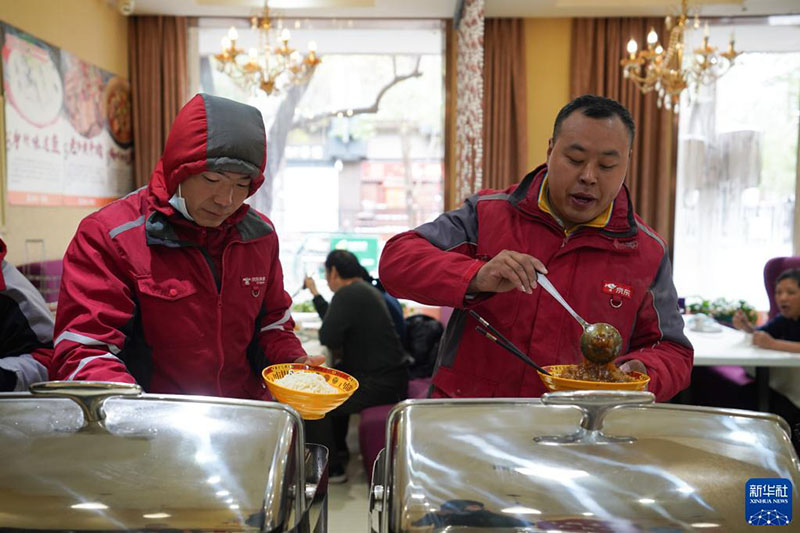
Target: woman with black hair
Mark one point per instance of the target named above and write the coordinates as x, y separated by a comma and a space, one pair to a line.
358, 330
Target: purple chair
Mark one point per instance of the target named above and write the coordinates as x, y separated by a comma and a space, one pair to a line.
772, 270
45, 276
372, 424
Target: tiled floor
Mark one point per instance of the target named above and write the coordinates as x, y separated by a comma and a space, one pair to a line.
348, 503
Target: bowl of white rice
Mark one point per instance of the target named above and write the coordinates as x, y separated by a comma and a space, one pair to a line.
311, 390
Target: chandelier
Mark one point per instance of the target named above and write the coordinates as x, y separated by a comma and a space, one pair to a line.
269, 67
662, 70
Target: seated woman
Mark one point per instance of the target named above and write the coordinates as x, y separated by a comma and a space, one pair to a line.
782, 333
361, 335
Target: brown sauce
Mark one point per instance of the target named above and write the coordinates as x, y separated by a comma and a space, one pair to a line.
588, 371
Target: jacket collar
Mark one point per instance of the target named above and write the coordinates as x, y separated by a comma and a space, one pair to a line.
621, 223
164, 230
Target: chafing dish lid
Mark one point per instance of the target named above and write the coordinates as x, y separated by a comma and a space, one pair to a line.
516, 463
155, 462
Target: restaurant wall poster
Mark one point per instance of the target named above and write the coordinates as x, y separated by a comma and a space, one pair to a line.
68, 134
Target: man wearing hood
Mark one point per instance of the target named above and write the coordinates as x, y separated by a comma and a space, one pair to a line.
178, 286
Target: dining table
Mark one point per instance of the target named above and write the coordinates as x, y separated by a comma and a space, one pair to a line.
723, 345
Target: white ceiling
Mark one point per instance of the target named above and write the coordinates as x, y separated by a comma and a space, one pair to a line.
446, 8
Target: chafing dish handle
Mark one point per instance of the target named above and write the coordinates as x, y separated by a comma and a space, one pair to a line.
89, 395
595, 405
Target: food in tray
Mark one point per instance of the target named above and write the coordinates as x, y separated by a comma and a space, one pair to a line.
117, 101
588, 371
306, 382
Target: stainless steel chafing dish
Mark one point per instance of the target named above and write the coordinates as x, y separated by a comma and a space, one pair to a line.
85, 456
573, 461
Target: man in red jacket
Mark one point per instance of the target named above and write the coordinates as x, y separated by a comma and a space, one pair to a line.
177, 286
571, 219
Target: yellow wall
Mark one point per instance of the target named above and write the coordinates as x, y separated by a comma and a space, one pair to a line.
96, 32
547, 50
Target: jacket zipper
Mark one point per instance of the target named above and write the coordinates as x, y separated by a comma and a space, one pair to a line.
219, 319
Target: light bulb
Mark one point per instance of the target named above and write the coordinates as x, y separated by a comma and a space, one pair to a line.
285, 34
659, 49
312, 46
226, 43
652, 36
233, 34
632, 46
253, 54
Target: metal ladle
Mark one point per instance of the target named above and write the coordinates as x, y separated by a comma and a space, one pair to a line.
600, 342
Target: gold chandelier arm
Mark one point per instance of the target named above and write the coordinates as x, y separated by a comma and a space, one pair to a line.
661, 70
267, 67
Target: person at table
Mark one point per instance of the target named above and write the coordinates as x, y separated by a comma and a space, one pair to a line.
572, 219
178, 286
358, 329
395, 309
782, 333
26, 330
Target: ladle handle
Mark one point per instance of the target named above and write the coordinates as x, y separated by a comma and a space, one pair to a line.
542, 280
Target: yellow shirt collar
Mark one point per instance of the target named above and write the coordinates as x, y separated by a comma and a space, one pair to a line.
600, 221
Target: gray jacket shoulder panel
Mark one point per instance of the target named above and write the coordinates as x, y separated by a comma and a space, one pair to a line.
453, 228
665, 304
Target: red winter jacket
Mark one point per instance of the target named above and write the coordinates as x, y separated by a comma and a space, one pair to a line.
139, 299
618, 274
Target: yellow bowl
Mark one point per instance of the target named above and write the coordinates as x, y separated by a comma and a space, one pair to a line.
310, 405
555, 383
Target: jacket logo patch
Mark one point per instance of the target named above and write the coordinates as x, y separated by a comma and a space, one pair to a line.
621, 245
254, 282
618, 289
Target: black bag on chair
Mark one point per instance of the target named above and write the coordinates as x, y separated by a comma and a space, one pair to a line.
421, 342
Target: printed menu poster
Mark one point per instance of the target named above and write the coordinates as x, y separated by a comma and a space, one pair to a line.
68, 126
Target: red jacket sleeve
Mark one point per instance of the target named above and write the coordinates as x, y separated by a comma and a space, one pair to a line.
658, 340
94, 304
276, 334
434, 263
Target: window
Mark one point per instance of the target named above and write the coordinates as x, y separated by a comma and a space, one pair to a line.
738, 167
362, 145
